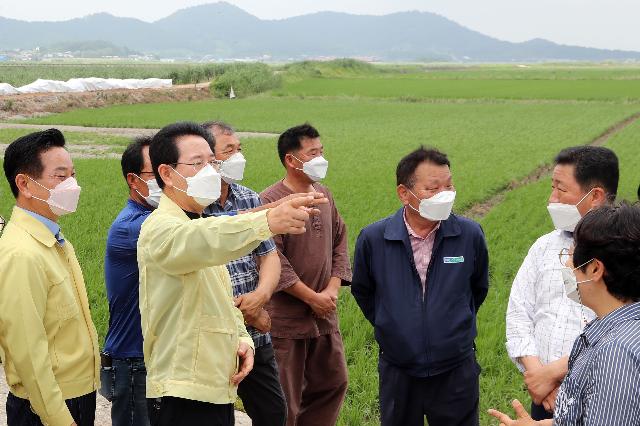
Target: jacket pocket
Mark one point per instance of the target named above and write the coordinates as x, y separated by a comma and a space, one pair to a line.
398, 333
66, 312
61, 298
216, 354
62, 303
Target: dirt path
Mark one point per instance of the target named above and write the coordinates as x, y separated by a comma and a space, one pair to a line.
86, 151
39, 104
103, 408
479, 210
114, 131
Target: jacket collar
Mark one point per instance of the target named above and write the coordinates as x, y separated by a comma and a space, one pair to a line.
135, 205
32, 226
396, 230
167, 205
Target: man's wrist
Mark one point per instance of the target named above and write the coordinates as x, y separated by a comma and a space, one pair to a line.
556, 371
309, 297
530, 362
262, 295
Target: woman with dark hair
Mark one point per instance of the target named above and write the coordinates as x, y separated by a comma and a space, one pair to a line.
602, 272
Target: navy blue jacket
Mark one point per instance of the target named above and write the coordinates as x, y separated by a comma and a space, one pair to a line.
426, 335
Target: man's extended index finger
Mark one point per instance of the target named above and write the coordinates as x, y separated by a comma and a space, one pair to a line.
297, 202
498, 415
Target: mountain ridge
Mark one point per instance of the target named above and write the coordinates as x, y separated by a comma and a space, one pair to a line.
222, 30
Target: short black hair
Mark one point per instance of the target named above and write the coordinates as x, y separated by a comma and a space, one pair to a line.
405, 172
611, 234
23, 155
163, 148
132, 160
593, 166
290, 139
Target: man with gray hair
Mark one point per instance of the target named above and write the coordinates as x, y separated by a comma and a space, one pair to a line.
254, 278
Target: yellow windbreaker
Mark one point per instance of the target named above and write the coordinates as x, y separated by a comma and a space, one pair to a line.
190, 326
49, 341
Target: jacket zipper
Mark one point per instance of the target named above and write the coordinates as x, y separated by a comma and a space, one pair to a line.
424, 298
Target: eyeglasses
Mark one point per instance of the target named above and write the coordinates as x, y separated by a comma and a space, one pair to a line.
2, 223
564, 256
146, 173
197, 166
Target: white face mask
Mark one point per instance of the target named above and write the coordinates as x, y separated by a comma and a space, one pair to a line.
232, 169
565, 217
316, 168
437, 207
571, 282
63, 199
204, 186
153, 199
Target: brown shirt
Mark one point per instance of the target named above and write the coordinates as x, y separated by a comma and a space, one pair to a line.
313, 258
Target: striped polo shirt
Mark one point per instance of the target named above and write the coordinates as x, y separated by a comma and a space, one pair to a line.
602, 386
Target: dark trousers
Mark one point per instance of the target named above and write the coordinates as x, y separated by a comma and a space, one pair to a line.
171, 411
447, 399
82, 408
539, 413
313, 374
124, 384
261, 392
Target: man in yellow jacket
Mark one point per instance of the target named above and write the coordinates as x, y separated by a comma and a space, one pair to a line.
49, 341
196, 346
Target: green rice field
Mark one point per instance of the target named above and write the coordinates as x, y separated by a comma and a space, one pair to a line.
497, 130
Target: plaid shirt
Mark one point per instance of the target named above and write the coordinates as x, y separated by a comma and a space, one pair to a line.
244, 271
541, 320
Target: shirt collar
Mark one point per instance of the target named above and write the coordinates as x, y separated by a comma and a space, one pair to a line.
229, 204
395, 229
412, 233
51, 225
231, 196
138, 206
192, 215
596, 329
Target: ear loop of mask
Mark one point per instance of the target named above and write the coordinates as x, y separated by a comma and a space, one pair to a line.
585, 196
185, 179
298, 168
419, 201
144, 182
584, 318
33, 196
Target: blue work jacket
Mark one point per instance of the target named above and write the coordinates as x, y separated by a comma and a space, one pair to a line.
424, 333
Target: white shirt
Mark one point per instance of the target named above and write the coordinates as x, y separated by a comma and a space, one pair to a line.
541, 320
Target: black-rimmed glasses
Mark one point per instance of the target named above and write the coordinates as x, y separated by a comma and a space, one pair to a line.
198, 165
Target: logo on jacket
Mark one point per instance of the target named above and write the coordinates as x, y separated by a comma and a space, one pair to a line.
456, 259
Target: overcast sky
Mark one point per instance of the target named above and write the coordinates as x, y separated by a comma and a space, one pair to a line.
609, 24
